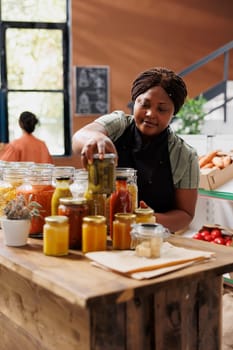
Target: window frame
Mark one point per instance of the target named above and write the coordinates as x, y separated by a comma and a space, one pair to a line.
66, 91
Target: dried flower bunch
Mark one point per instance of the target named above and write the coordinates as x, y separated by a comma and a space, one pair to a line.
20, 209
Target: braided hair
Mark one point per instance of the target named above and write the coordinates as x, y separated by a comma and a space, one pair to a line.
173, 85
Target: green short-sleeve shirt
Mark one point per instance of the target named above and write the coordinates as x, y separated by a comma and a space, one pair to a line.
183, 157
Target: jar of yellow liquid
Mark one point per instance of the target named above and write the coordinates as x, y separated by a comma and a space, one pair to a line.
145, 215
121, 230
56, 235
94, 233
62, 190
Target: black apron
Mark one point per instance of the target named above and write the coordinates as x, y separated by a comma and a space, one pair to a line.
154, 177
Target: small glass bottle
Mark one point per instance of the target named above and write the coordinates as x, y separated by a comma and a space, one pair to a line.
75, 209
80, 184
121, 230
62, 190
120, 200
56, 235
131, 175
94, 233
145, 215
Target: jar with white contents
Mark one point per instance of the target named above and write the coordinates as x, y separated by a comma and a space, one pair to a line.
147, 239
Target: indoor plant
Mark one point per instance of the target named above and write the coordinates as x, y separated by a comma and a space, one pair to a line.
17, 220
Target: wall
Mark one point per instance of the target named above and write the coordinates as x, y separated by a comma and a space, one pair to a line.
130, 36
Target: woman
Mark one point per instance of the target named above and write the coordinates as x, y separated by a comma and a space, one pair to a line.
27, 147
167, 167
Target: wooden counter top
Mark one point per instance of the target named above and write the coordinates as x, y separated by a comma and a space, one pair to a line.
73, 277
56, 303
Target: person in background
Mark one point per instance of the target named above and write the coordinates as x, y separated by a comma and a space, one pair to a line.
27, 147
167, 167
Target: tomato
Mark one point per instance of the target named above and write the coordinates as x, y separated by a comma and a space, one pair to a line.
204, 233
228, 242
208, 237
215, 232
198, 236
219, 240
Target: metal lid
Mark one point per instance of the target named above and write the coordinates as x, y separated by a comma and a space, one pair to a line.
56, 219
72, 201
105, 156
97, 219
125, 216
144, 211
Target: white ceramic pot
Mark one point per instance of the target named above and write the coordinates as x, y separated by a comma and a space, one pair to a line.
15, 232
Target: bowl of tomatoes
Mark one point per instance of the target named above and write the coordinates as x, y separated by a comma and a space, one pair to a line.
215, 234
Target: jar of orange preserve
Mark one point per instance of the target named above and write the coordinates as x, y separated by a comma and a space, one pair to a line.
56, 235
94, 233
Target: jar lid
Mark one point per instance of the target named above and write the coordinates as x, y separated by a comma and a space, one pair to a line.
97, 219
125, 216
144, 230
144, 211
72, 201
58, 219
105, 156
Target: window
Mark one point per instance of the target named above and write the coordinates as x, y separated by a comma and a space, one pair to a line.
35, 69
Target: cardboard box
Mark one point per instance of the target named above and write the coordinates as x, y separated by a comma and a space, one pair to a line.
213, 178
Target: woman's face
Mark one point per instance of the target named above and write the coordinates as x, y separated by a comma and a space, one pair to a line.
153, 111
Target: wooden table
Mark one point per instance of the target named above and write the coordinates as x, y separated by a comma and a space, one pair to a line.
66, 303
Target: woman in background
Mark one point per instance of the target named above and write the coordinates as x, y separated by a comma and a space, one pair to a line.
28, 147
167, 167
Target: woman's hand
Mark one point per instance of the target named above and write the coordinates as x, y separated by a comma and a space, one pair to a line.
90, 140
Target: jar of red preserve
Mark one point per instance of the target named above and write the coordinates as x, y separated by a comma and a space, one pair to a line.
75, 209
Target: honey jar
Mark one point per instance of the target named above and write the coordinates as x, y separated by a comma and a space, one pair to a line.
94, 233
121, 230
56, 235
145, 215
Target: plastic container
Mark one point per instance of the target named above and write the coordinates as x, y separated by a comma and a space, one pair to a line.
147, 239
94, 233
56, 236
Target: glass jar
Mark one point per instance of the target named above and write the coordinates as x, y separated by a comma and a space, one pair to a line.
56, 235
38, 187
120, 200
75, 209
63, 172
101, 174
121, 230
147, 239
131, 175
94, 233
62, 190
12, 178
80, 184
145, 215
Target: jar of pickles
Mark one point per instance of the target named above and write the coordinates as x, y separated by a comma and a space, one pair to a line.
121, 230
75, 209
145, 215
38, 187
56, 235
94, 233
101, 174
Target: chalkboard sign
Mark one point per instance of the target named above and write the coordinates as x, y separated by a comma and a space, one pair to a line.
92, 90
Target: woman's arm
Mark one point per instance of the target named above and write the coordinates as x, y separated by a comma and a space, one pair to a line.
92, 139
179, 218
